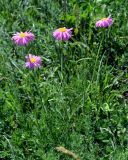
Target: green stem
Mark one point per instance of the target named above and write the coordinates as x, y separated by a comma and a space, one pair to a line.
94, 71
62, 60
64, 8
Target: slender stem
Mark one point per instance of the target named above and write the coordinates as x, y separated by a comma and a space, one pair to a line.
97, 57
99, 69
65, 8
61, 60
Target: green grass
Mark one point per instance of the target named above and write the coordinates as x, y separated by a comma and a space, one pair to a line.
81, 105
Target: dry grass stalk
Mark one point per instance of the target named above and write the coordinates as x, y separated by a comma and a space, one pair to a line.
67, 152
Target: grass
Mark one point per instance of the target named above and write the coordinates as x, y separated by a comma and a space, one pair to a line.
81, 103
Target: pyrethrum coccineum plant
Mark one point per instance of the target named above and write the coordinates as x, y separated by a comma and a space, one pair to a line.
85, 112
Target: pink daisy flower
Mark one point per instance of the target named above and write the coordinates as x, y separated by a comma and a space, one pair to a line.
23, 38
62, 34
33, 61
105, 22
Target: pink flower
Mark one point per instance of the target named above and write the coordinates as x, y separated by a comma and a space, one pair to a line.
105, 22
23, 38
62, 34
33, 61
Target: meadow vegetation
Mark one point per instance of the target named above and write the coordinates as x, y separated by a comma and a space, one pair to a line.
79, 103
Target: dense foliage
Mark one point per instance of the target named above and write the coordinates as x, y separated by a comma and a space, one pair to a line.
81, 105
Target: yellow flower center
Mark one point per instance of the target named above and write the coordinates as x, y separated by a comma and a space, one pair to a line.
104, 19
32, 60
62, 29
22, 35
